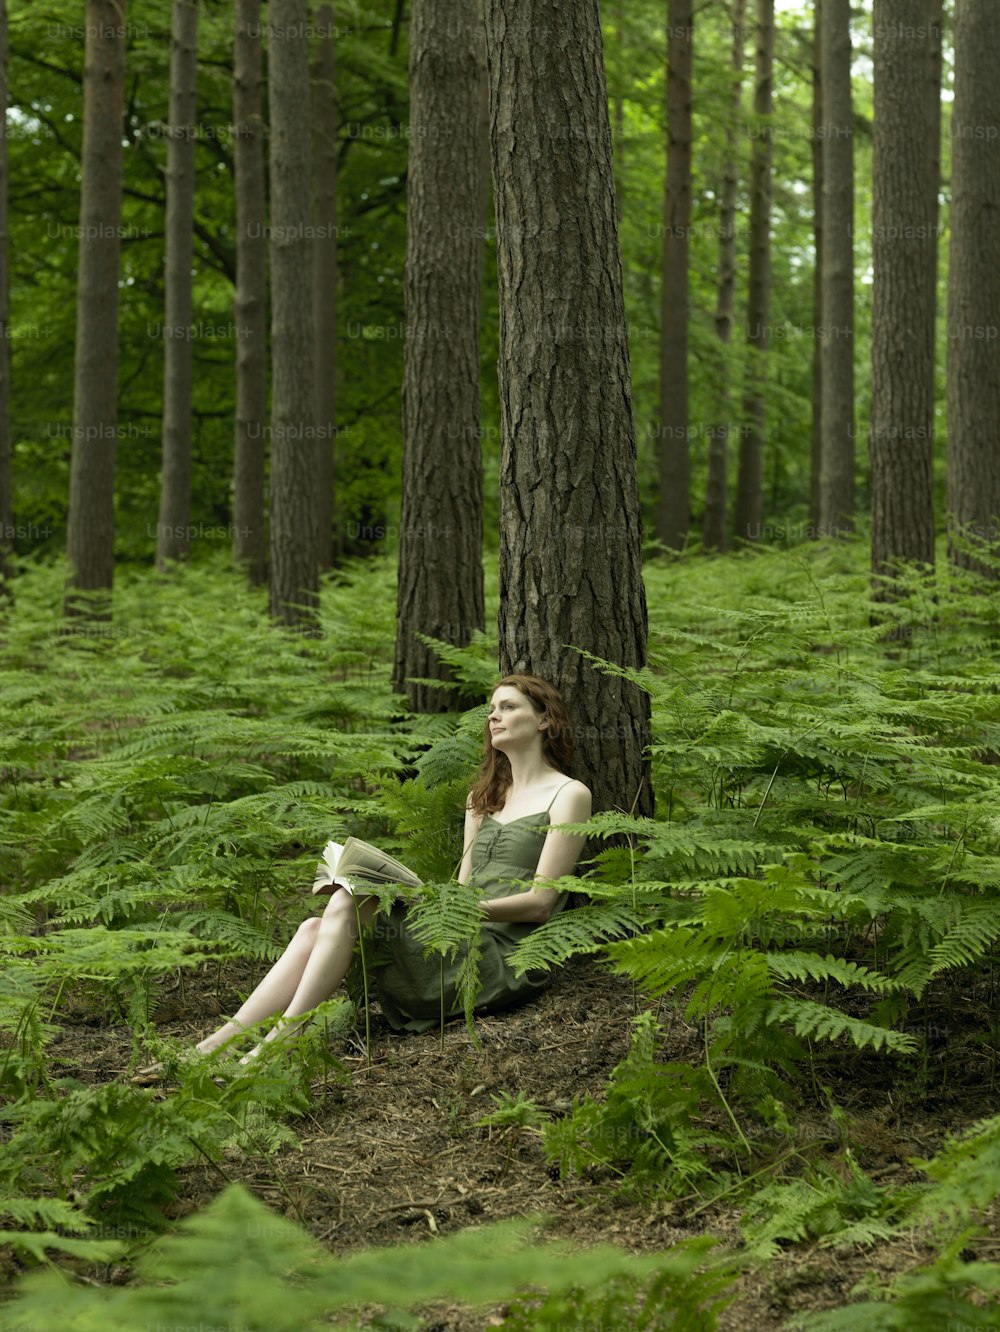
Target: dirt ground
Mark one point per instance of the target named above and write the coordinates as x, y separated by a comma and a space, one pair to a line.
392, 1153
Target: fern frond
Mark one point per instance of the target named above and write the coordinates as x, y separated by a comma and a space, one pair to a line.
824, 1023
570, 933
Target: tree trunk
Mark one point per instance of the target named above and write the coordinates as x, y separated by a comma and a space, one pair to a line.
440, 589
7, 530
816, 452
717, 490
749, 517
903, 233
974, 287
619, 104
327, 277
294, 572
251, 295
173, 529
570, 526
675, 446
90, 540
936, 53
836, 332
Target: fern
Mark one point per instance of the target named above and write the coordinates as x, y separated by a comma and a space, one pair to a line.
821, 1205
573, 933
646, 1127
238, 1258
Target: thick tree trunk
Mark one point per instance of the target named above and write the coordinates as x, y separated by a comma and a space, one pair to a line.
294, 571
716, 535
974, 286
90, 541
327, 277
816, 452
836, 332
7, 530
440, 589
903, 233
570, 527
749, 516
251, 295
173, 529
675, 445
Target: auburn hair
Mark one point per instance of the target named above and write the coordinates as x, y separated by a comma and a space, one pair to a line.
494, 778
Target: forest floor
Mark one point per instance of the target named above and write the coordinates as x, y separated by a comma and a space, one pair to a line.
392, 1151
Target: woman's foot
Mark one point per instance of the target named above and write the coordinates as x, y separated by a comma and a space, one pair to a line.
153, 1074
148, 1076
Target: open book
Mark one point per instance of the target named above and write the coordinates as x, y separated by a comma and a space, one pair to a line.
343, 866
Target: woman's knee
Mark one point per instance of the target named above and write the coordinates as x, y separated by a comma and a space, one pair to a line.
340, 912
309, 929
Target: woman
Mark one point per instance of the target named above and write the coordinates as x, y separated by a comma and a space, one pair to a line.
522, 786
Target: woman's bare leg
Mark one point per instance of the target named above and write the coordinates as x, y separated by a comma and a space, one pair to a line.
274, 992
329, 959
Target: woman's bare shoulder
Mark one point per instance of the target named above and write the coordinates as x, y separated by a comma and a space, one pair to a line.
573, 801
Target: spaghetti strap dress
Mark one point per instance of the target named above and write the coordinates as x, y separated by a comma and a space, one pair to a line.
409, 985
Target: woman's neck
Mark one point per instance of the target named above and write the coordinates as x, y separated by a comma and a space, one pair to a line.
528, 771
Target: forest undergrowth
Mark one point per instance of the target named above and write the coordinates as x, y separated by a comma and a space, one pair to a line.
817, 894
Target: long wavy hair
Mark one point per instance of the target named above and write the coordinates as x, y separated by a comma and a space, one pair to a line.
494, 778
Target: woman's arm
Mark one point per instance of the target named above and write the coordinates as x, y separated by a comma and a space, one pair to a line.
560, 852
472, 825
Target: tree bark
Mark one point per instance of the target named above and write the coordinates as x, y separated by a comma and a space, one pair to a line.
173, 529
90, 539
327, 277
836, 332
816, 451
936, 54
749, 516
294, 571
618, 149
715, 531
974, 287
903, 297
440, 588
570, 526
7, 529
249, 449
675, 444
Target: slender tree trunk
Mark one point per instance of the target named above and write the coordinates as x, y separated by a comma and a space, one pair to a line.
974, 287
716, 496
294, 571
90, 541
903, 231
570, 526
936, 53
7, 530
251, 295
172, 532
749, 517
675, 444
836, 333
440, 589
816, 455
327, 276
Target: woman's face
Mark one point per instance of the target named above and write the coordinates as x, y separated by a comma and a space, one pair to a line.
514, 722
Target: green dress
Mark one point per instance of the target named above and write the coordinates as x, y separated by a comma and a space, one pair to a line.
408, 985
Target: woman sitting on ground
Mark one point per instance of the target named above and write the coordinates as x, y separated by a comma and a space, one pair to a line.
523, 786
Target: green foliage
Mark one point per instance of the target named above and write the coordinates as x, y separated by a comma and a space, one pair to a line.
822, 1205
683, 1297
646, 1128
239, 1261
822, 859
